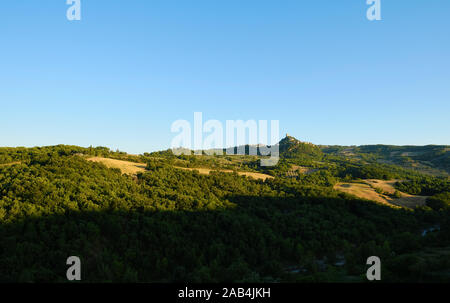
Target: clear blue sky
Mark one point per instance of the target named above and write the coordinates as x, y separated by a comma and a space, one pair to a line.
128, 69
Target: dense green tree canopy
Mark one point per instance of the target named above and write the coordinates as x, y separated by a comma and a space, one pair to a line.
168, 224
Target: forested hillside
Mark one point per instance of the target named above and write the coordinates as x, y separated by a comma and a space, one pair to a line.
430, 159
168, 224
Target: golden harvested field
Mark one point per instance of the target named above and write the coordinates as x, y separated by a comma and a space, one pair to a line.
132, 168
127, 167
206, 171
363, 191
366, 190
406, 200
386, 186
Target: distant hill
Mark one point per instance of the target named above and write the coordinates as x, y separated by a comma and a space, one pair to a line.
429, 159
432, 160
290, 147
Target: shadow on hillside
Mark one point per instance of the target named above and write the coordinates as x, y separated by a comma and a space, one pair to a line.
252, 242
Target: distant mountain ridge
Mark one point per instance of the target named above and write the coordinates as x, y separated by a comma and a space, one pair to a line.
291, 147
429, 159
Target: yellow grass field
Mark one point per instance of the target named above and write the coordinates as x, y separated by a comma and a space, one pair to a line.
127, 167
132, 168
386, 186
363, 191
206, 171
366, 190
